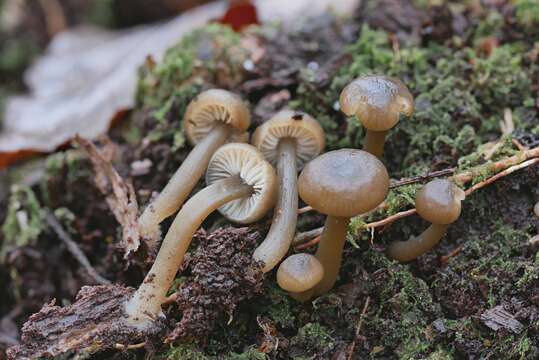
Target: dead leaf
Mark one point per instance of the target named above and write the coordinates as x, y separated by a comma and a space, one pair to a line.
119, 194
85, 77
88, 75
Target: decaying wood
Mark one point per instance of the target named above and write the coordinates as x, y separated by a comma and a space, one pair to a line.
95, 322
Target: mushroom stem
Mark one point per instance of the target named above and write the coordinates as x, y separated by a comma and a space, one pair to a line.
374, 142
330, 251
184, 179
145, 305
283, 227
418, 245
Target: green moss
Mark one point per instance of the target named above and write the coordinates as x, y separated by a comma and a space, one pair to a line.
279, 309
208, 55
460, 97
249, 354
527, 12
405, 308
314, 338
183, 352
24, 220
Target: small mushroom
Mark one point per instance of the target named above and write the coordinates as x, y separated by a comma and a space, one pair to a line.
214, 117
377, 101
288, 140
536, 209
238, 176
438, 202
341, 184
299, 273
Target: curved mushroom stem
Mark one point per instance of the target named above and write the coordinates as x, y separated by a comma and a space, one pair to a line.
285, 216
374, 142
411, 249
145, 305
183, 181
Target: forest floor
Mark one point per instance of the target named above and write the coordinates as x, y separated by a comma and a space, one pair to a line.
473, 68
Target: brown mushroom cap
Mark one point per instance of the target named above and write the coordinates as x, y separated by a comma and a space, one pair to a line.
299, 272
344, 183
248, 163
439, 201
300, 126
215, 105
377, 101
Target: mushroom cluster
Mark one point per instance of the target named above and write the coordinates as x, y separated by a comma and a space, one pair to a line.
243, 186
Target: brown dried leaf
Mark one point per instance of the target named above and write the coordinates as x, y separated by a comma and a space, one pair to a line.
119, 194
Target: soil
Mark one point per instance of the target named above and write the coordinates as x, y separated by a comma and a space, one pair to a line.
474, 296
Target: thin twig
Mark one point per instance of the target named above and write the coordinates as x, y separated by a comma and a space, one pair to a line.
444, 259
129, 347
74, 249
307, 235
501, 174
310, 243
358, 328
390, 219
304, 209
421, 178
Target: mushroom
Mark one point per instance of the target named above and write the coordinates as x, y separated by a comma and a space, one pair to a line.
240, 180
299, 273
536, 209
214, 117
438, 202
341, 184
288, 140
377, 101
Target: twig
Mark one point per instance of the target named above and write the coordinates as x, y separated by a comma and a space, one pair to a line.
304, 209
390, 219
444, 259
307, 235
74, 249
310, 243
129, 347
501, 174
469, 175
421, 178
358, 328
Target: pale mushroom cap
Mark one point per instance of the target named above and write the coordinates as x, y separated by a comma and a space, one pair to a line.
439, 201
344, 183
536, 209
299, 272
302, 127
377, 101
246, 161
215, 105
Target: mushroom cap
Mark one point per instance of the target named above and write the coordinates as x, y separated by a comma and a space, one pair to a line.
377, 101
536, 209
302, 127
215, 105
299, 272
344, 183
245, 161
438, 201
